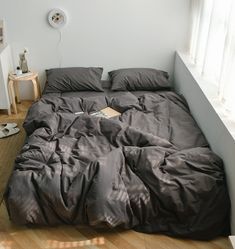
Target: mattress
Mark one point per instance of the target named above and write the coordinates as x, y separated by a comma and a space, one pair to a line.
150, 169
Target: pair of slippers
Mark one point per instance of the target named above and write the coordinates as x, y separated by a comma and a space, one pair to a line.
8, 129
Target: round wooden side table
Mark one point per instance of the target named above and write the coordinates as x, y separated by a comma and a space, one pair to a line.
14, 90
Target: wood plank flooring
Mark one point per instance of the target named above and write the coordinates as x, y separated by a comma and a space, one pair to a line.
9, 149
69, 237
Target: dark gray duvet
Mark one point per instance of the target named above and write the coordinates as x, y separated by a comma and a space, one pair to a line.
150, 169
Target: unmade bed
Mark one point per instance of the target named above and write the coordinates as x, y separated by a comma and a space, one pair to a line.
150, 169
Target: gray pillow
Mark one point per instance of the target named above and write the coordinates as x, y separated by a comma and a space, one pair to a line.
73, 79
134, 79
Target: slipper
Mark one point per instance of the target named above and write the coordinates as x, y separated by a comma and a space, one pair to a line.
7, 125
8, 132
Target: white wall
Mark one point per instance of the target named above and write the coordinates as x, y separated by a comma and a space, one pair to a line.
108, 33
219, 138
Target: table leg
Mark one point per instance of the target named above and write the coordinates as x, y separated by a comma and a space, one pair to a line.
12, 95
16, 86
35, 89
39, 87
9, 111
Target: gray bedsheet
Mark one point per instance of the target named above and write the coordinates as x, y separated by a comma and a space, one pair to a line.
150, 169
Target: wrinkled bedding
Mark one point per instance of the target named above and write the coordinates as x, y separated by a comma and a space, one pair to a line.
150, 169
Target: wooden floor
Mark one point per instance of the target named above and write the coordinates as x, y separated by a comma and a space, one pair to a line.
68, 237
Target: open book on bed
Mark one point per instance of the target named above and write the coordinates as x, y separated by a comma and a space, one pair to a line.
107, 112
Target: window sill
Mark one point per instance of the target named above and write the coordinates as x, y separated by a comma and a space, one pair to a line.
210, 92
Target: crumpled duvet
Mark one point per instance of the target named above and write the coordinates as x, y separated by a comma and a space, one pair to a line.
150, 169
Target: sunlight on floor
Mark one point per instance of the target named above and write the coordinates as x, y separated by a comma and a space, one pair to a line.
6, 244
52, 244
74, 244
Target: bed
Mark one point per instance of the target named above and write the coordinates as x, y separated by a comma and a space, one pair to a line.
150, 169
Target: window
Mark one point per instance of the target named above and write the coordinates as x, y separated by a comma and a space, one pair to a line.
213, 46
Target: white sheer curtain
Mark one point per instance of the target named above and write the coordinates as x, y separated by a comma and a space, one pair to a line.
213, 46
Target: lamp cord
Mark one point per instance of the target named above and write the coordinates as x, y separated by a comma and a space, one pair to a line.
59, 48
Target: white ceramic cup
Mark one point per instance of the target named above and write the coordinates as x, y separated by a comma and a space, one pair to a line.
18, 72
